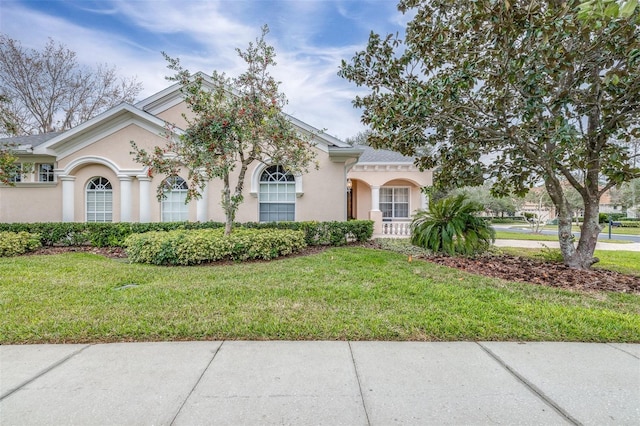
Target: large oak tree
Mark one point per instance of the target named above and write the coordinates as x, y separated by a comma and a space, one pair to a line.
517, 91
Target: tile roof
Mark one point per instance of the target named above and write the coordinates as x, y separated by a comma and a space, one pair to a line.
33, 140
372, 155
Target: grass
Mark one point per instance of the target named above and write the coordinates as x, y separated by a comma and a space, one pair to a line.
626, 262
509, 235
614, 230
343, 293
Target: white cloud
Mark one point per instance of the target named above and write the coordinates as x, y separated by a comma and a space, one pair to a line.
204, 36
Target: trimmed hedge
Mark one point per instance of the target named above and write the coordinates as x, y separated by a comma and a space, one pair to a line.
629, 224
114, 234
191, 247
507, 220
324, 233
15, 243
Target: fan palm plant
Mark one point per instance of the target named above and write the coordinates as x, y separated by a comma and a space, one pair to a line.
450, 226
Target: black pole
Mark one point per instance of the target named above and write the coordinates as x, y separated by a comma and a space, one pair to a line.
610, 226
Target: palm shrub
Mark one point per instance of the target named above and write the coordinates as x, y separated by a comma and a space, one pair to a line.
450, 226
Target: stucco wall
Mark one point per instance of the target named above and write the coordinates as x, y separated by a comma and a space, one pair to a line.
174, 116
117, 147
30, 203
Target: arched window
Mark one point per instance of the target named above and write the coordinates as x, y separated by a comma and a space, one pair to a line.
277, 195
173, 206
99, 200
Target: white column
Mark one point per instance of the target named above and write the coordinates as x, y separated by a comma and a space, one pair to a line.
375, 198
424, 201
68, 199
375, 214
201, 205
145, 198
125, 198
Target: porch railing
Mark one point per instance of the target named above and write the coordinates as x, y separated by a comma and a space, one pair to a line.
402, 229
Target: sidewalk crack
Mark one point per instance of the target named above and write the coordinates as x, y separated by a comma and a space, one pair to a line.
622, 350
355, 368
533, 388
42, 373
173, 420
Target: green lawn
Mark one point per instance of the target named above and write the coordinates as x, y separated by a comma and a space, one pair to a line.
343, 293
514, 235
574, 228
626, 262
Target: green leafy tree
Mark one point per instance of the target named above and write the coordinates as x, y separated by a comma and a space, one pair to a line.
595, 10
450, 225
495, 206
517, 91
7, 165
628, 195
7, 126
234, 122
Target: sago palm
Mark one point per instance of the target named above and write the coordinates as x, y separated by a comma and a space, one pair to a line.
450, 226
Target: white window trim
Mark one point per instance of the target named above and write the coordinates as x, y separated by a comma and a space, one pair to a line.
86, 191
294, 203
52, 172
186, 206
255, 181
391, 219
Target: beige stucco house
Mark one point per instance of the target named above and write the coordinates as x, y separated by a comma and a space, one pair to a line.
88, 174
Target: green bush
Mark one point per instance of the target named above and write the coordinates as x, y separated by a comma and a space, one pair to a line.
323, 233
190, 247
615, 217
115, 234
630, 224
15, 243
508, 220
450, 226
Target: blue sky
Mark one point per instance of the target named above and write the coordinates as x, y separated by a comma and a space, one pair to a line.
310, 38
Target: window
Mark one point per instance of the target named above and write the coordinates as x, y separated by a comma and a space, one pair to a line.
277, 195
173, 206
394, 203
99, 200
15, 173
45, 173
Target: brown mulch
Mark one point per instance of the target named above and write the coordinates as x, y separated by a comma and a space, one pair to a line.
112, 252
512, 268
553, 274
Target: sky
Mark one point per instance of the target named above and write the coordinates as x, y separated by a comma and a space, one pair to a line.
310, 37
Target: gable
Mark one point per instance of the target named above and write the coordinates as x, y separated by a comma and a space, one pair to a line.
99, 128
169, 105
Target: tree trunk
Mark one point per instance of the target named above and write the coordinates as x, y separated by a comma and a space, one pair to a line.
582, 257
227, 205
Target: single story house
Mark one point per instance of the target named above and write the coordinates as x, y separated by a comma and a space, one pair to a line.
88, 174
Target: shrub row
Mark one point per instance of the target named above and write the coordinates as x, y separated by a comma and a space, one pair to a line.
630, 224
114, 234
507, 220
191, 247
604, 217
15, 243
324, 233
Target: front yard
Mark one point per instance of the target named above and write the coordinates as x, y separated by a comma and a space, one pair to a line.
350, 293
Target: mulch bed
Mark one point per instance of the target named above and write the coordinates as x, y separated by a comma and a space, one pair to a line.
553, 274
512, 268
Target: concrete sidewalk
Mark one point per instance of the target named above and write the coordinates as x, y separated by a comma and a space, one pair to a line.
310, 383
